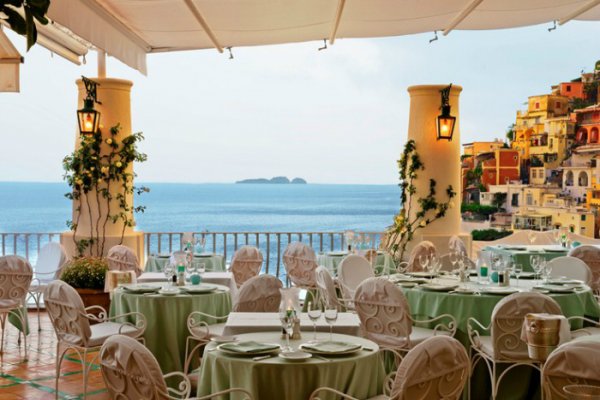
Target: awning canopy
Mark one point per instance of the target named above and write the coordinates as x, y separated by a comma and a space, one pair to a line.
129, 29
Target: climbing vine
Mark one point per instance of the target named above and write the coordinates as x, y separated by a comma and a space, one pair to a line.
93, 175
407, 221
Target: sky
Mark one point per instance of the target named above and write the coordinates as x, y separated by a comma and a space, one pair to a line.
334, 116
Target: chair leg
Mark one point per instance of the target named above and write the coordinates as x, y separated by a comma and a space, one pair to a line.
59, 358
85, 373
3, 327
36, 298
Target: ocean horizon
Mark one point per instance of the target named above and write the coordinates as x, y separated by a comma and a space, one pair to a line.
216, 207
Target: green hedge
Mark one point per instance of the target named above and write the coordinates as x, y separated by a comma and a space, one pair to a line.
478, 209
489, 234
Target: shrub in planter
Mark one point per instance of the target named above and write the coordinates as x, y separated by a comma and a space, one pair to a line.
489, 234
86, 275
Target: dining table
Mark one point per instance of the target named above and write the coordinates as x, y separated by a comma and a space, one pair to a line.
218, 277
522, 254
166, 316
247, 322
357, 373
211, 261
446, 295
384, 263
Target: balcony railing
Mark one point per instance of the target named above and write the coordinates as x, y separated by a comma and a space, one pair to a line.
272, 244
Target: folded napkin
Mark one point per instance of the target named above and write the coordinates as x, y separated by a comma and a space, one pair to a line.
331, 347
249, 347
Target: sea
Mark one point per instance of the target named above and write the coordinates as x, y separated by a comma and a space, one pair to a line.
176, 207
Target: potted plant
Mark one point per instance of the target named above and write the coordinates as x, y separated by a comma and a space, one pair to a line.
86, 275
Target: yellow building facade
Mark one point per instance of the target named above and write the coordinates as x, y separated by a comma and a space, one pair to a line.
544, 130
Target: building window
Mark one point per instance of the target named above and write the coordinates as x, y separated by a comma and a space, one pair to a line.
583, 217
568, 88
558, 105
515, 200
529, 199
551, 143
537, 105
533, 173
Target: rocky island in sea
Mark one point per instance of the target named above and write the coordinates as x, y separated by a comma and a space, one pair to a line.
276, 179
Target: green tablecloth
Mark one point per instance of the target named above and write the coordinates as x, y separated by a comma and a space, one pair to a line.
522, 256
429, 304
383, 265
166, 317
360, 375
212, 262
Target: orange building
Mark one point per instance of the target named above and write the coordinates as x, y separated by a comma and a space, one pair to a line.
500, 167
588, 120
572, 90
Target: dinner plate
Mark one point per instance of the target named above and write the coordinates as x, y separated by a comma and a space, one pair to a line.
498, 290
460, 290
555, 249
421, 274
555, 288
524, 275
516, 248
435, 287
337, 253
407, 285
203, 255
141, 288
227, 349
169, 292
199, 289
163, 255
223, 339
565, 281
295, 355
344, 348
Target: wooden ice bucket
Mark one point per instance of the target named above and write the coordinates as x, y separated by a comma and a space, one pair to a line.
542, 335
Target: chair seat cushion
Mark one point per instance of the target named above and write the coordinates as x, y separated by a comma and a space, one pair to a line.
588, 331
487, 346
104, 330
419, 335
199, 332
9, 304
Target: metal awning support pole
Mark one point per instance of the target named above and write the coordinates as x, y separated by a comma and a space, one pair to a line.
198, 15
338, 18
461, 17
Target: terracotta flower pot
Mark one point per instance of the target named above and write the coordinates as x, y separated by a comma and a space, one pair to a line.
95, 297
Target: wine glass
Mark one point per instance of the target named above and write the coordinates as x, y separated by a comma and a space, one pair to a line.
201, 268
169, 270
518, 268
531, 235
423, 261
453, 257
331, 314
535, 264
314, 313
286, 317
546, 270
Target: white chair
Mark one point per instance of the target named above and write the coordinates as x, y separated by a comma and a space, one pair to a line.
385, 317
300, 264
327, 290
425, 248
455, 243
15, 279
574, 363
131, 372
48, 267
352, 271
122, 258
259, 294
591, 256
570, 267
71, 322
437, 368
245, 264
504, 345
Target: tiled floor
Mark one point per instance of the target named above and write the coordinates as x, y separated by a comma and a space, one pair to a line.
34, 379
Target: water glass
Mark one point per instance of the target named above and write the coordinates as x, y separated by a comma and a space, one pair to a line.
534, 261
547, 270
423, 261
331, 314
286, 318
453, 257
518, 268
201, 268
169, 270
314, 313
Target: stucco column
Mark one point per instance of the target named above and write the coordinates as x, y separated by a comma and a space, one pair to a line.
114, 94
441, 159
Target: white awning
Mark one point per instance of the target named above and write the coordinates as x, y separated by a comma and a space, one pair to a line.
10, 62
129, 29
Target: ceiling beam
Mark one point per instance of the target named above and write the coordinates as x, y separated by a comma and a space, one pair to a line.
461, 17
204, 24
578, 12
336, 23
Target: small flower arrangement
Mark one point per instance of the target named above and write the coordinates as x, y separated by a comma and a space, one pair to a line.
85, 273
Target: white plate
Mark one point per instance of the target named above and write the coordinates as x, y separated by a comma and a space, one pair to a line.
295, 355
524, 275
169, 292
407, 285
337, 253
460, 290
498, 290
421, 274
203, 255
141, 288
223, 339
435, 287
555, 289
199, 289
565, 281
